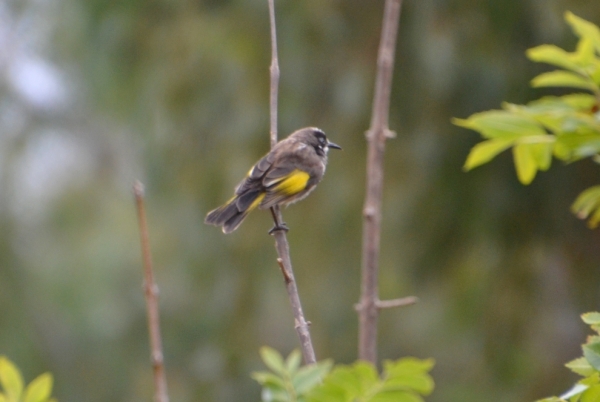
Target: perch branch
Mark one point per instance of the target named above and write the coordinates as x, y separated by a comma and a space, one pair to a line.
151, 293
368, 308
281, 243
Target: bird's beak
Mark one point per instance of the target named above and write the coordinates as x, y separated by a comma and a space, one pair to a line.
334, 146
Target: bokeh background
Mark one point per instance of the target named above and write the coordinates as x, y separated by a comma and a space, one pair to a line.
95, 94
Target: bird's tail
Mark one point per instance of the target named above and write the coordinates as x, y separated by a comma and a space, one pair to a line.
231, 215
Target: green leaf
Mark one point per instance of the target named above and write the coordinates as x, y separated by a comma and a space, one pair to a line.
584, 55
486, 151
293, 362
268, 379
525, 163
584, 29
593, 317
275, 395
554, 55
11, 379
592, 394
551, 399
542, 154
366, 375
39, 389
3, 398
409, 373
309, 376
581, 366
591, 351
395, 396
561, 78
587, 203
272, 359
501, 124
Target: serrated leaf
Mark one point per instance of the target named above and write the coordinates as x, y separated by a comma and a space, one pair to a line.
486, 151
592, 394
11, 379
584, 29
501, 124
591, 351
525, 164
272, 359
561, 78
39, 389
581, 366
593, 317
309, 376
576, 390
554, 55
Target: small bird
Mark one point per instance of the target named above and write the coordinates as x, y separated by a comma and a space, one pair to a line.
288, 173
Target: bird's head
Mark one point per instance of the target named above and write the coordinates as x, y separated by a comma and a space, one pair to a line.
316, 138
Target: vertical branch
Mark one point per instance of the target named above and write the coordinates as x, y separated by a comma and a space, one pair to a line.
281, 243
368, 309
274, 70
151, 293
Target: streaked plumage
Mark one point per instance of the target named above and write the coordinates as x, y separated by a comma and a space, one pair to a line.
288, 173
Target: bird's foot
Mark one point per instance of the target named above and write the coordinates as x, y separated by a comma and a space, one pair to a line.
279, 226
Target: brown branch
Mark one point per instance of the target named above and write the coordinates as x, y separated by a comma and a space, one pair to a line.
368, 309
404, 301
151, 293
281, 243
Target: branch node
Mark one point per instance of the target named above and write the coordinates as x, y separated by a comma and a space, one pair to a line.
369, 212
390, 134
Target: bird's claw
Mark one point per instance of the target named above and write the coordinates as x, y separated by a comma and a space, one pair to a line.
281, 226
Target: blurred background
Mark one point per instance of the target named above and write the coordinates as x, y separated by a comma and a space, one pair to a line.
95, 94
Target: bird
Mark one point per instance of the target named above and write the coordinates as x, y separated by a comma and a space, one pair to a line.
287, 174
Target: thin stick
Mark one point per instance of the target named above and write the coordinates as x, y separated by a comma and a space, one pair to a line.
151, 293
281, 243
274, 70
368, 309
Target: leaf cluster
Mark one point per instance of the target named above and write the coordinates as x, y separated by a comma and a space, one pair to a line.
565, 127
38, 390
588, 366
404, 380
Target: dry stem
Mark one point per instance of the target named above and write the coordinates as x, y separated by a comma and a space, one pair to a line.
281, 243
368, 308
151, 293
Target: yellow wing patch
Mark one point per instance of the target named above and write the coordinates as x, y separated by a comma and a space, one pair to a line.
292, 183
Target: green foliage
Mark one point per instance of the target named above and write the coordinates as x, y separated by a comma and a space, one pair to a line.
404, 380
566, 127
588, 366
287, 381
39, 390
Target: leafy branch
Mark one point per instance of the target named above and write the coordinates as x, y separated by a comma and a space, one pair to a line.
564, 127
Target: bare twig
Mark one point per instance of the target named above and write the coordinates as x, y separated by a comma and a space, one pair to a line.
281, 243
151, 293
368, 308
404, 301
